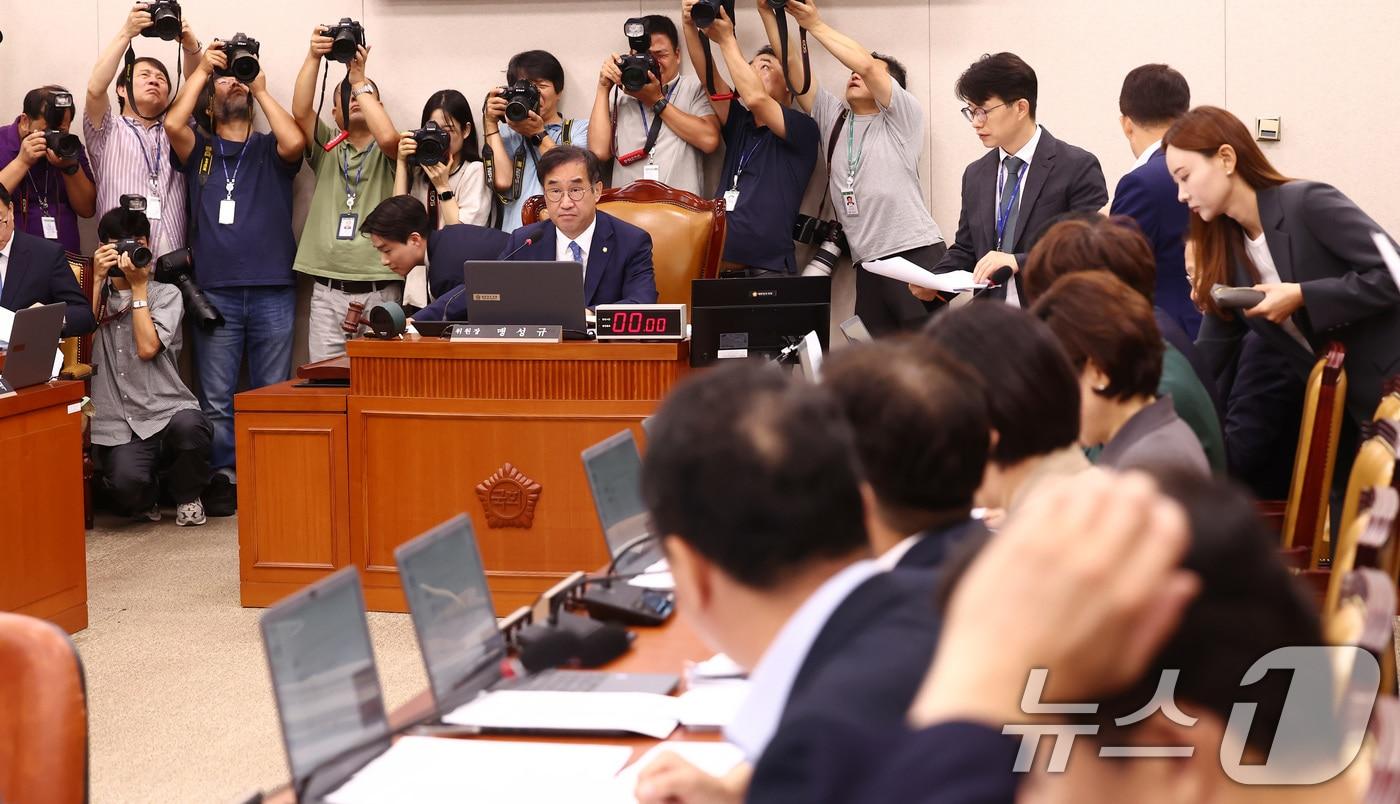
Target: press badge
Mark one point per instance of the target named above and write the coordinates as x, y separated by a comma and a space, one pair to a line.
652, 171
731, 200
153, 207
226, 211
848, 197
346, 229
50, 224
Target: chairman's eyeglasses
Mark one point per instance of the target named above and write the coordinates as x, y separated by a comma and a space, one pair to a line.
978, 114
556, 194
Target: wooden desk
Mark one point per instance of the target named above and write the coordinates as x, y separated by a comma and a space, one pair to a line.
43, 558
429, 429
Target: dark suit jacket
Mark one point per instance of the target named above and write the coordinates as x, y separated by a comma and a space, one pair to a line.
38, 272
937, 544
866, 666
1321, 240
1148, 196
1264, 402
453, 245
1063, 178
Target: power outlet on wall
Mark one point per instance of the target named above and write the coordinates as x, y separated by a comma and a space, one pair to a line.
1269, 129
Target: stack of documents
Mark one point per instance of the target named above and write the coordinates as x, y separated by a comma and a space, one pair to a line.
907, 272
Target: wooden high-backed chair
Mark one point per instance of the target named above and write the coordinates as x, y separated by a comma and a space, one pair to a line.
77, 351
1374, 466
43, 714
1368, 542
1389, 407
687, 231
1305, 514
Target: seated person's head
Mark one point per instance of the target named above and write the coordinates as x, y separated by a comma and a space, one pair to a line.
120, 224
1111, 338
921, 431
1091, 242
572, 181
397, 228
7, 216
751, 478
542, 69
1000, 91
1032, 400
1248, 606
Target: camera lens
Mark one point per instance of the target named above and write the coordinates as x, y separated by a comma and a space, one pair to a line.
704, 13
245, 67
166, 24
64, 146
430, 152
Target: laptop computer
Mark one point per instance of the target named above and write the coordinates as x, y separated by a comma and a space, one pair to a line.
855, 330
614, 470
540, 293
325, 683
462, 647
34, 337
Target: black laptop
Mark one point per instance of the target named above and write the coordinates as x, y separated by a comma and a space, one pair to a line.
538, 293
614, 470
34, 339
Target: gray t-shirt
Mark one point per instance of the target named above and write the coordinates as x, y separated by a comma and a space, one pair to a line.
678, 161
891, 215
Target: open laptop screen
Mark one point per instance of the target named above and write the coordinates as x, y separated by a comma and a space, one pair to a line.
614, 469
325, 681
452, 611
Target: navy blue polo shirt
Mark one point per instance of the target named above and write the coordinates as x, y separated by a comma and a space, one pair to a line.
772, 181
258, 248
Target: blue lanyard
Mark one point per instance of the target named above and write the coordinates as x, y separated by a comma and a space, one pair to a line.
643, 109
1015, 193
152, 168
351, 190
223, 163
746, 156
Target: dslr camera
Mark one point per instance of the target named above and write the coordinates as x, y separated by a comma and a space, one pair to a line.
433, 143
638, 66
828, 236
177, 268
705, 12
242, 51
347, 37
165, 20
140, 255
59, 106
522, 97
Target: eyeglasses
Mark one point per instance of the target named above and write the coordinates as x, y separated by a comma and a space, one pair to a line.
977, 114
556, 194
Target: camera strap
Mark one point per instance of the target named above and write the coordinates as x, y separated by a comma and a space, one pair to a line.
517, 185
781, 16
710, 72
130, 70
653, 131
831, 152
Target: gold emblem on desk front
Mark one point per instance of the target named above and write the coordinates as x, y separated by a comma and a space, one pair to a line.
509, 497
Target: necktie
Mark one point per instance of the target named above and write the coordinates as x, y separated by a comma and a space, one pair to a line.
1009, 212
576, 252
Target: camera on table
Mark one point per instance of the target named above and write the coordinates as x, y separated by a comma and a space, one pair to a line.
165, 20
177, 268
705, 12
828, 236
522, 97
242, 51
347, 37
433, 142
64, 146
637, 67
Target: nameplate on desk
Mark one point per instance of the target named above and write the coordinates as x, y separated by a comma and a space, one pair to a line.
494, 333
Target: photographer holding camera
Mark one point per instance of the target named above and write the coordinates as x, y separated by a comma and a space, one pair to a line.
528, 107
129, 150
46, 169
770, 150
239, 183
351, 179
655, 121
147, 427
873, 139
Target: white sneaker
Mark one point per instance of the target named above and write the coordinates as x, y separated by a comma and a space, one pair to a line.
190, 513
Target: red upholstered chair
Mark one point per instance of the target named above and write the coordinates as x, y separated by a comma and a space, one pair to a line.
43, 714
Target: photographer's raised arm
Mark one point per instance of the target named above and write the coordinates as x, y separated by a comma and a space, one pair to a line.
847, 50
376, 116
796, 74
766, 111
697, 60
304, 91
110, 62
600, 127
291, 142
491, 119
177, 120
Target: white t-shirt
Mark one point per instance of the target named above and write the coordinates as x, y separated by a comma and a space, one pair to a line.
468, 189
678, 162
1258, 251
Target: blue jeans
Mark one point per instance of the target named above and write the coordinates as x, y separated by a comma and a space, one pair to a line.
258, 320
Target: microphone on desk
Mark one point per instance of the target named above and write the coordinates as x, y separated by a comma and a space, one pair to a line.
529, 241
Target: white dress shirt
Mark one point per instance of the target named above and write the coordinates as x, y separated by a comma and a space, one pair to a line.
585, 243
5, 259
1263, 260
1147, 154
771, 681
1026, 154
890, 559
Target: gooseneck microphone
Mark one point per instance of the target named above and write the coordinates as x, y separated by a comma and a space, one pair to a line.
529, 241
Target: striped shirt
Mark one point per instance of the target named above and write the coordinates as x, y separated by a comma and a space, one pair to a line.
124, 154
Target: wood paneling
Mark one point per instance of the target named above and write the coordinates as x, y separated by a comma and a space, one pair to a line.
43, 557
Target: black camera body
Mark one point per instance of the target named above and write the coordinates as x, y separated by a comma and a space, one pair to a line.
638, 66
59, 106
177, 268
433, 143
347, 37
522, 97
140, 255
165, 20
242, 51
813, 231
705, 12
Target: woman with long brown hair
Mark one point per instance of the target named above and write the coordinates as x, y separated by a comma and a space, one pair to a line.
1306, 246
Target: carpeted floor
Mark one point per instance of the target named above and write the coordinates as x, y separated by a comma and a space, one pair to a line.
180, 708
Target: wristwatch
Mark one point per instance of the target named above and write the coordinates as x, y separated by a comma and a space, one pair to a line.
660, 106
71, 169
137, 304
366, 89
446, 195
537, 139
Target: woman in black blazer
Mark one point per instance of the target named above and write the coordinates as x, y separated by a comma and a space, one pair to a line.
1302, 243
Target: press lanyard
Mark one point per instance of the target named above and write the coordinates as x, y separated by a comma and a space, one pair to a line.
223, 163
1003, 219
745, 156
854, 152
152, 161
42, 198
352, 190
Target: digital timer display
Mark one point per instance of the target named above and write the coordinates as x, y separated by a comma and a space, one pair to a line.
641, 321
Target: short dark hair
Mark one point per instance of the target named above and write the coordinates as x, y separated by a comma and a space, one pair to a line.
896, 68
454, 106
1091, 242
756, 472
536, 65
124, 77
1154, 95
1097, 317
766, 50
920, 423
1032, 400
119, 224
36, 101
396, 218
1001, 75
561, 155
662, 24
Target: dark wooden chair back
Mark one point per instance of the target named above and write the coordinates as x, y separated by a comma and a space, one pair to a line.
1323, 408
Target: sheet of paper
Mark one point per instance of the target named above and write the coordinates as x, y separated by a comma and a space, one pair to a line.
712, 705
430, 769
906, 271
1389, 255
715, 759
585, 712
655, 576
717, 666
